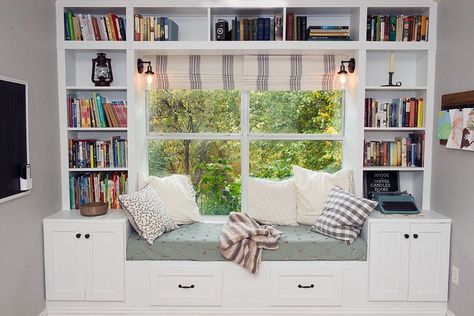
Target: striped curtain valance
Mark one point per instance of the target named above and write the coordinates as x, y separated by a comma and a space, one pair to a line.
198, 72
291, 72
248, 72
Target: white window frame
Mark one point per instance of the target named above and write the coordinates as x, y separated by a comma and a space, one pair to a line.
245, 137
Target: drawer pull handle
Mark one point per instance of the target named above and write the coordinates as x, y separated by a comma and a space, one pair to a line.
186, 286
407, 236
305, 286
87, 236
78, 235
415, 236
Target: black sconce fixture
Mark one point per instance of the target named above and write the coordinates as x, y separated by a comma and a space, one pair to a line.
149, 70
351, 64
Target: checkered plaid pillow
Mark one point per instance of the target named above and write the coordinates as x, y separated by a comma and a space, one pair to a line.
343, 215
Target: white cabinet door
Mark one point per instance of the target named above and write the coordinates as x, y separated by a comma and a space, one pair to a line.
429, 262
64, 269
104, 269
388, 261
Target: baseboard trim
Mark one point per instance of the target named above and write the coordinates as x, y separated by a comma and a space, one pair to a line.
326, 312
450, 313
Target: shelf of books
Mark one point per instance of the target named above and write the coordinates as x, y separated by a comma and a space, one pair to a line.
97, 145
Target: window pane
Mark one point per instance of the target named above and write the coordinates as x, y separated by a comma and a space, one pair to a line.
213, 166
303, 112
274, 159
194, 111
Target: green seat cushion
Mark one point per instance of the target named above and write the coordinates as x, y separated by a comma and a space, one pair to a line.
199, 242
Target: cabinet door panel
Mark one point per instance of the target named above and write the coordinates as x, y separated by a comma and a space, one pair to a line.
64, 272
105, 262
388, 262
429, 262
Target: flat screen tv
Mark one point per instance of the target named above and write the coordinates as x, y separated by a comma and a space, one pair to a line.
14, 157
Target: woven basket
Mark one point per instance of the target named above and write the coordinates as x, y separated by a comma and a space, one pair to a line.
93, 209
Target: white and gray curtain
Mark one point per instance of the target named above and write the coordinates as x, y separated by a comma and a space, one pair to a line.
248, 72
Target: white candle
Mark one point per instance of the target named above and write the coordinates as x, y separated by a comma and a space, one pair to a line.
391, 67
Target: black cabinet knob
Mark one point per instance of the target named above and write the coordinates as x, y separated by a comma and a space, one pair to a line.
305, 286
87, 236
406, 236
186, 286
78, 235
415, 236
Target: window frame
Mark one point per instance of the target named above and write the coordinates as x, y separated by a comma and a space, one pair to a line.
244, 137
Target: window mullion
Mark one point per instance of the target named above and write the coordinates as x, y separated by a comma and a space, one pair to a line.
244, 148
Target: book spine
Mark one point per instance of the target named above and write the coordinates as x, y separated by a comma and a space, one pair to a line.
266, 29
289, 26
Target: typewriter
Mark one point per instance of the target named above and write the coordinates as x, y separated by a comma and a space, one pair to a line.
396, 203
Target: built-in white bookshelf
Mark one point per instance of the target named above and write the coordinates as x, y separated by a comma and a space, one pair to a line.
414, 67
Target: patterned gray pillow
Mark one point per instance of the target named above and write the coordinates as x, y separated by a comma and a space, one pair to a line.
343, 215
147, 213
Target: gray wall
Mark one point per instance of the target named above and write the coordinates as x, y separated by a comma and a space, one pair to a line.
452, 189
27, 52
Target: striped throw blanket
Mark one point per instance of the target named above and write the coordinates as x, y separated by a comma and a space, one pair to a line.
243, 239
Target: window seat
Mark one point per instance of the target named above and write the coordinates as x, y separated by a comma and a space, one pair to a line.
199, 242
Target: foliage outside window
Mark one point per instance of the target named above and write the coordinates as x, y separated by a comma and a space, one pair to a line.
212, 135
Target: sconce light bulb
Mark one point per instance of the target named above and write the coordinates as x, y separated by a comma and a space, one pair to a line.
149, 79
343, 79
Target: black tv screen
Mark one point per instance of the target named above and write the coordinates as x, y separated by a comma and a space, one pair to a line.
13, 135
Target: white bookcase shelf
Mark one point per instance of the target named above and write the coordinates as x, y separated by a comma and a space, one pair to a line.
414, 67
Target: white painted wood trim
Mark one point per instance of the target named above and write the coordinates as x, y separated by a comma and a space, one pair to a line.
449, 313
295, 312
43, 313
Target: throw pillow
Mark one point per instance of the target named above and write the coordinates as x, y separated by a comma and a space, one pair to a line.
272, 201
147, 213
343, 215
178, 194
312, 190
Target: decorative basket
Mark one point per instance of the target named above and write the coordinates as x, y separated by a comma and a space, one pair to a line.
93, 209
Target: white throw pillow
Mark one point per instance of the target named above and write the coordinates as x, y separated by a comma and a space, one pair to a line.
312, 191
178, 194
272, 201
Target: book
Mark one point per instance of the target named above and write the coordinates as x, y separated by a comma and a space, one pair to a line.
289, 26
397, 28
402, 151
278, 27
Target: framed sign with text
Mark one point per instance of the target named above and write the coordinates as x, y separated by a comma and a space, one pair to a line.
380, 181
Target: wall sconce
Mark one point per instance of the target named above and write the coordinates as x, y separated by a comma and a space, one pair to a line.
149, 70
351, 64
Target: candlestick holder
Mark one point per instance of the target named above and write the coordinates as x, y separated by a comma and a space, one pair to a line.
390, 81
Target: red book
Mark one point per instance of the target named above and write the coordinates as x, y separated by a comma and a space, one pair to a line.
289, 26
412, 112
114, 26
95, 26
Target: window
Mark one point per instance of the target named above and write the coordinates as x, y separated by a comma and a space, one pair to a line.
220, 137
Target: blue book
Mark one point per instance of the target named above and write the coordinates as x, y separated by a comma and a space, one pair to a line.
100, 105
266, 29
260, 29
237, 30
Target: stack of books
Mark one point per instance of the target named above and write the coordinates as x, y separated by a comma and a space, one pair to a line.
328, 33
96, 112
154, 28
98, 153
397, 28
401, 112
86, 27
402, 152
97, 187
257, 29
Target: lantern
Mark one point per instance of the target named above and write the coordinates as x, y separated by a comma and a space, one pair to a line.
101, 71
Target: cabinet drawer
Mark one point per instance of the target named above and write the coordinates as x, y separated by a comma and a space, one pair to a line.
185, 286
310, 286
